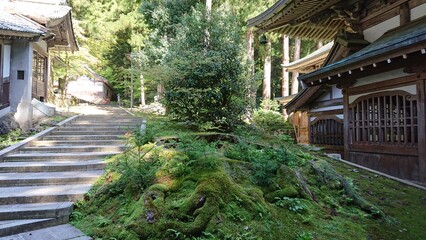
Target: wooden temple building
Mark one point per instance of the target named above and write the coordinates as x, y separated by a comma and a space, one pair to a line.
367, 101
29, 31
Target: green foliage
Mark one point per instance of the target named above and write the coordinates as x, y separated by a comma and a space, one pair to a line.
268, 118
207, 84
10, 138
137, 171
293, 204
197, 193
265, 160
304, 236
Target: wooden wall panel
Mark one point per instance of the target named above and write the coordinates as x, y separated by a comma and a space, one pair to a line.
405, 167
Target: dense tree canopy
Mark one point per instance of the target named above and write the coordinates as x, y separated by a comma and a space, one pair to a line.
157, 31
207, 85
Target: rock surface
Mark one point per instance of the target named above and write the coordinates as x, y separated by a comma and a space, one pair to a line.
7, 124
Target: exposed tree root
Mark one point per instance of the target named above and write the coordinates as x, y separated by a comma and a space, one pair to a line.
329, 176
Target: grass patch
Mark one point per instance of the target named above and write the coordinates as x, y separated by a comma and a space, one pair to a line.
18, 135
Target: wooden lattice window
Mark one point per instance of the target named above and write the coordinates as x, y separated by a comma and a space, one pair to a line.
39, 74
327, 131
384, 118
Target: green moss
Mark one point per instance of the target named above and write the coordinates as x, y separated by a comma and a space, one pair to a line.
197, 193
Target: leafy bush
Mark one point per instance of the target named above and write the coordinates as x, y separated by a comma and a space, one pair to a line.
268, 120
267, 116
265, 160
207, 85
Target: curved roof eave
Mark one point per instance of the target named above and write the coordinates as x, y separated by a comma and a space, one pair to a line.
316, 55
278, 6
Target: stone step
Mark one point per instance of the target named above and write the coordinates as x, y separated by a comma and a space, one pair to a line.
103, 118
71, 132
74, 148
95, 128
83, 137
35, 210
126, 127
60, 232
105, 123
11, 227
76, 156
48, 178
52, 166
102, 124
47, 143
43, 194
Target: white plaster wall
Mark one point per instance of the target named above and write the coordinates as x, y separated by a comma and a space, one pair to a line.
338, 116
326, 96
418, 12
20, 90
341, 116
327, 108
412, 89
397, 73
375, 32
6, 60
336, 92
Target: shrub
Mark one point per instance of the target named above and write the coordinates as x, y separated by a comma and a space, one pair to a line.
267, 116
268, 120
207, 84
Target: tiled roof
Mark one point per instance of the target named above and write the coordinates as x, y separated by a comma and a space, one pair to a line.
39, 12
17, 23
299, 18
392, 41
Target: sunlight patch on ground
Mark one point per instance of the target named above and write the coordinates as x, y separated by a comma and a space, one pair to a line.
89, 110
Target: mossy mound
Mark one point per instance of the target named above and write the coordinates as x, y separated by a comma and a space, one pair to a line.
191, 188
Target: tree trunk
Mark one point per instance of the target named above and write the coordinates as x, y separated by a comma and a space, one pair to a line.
160, 91
295, 74
285, 75
208, 16
266, 93
208, 6
142, 90
250, 57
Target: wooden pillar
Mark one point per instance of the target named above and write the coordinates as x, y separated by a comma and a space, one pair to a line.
1, 73
47, 78
421, 93
404, 14
346, 135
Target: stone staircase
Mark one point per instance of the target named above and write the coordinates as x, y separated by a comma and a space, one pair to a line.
40, 181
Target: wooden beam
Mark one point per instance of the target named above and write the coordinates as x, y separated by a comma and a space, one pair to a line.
326, 113
404, 14
327, 103
384, 149
383, 85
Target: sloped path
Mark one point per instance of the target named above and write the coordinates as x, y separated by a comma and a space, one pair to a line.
40, 181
